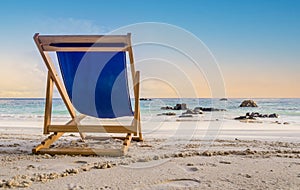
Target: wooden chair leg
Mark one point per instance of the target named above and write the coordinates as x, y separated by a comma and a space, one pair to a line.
47, 142
82, 136
126, 143
48, 103
140, 127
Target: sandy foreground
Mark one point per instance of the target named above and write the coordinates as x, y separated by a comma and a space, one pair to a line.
157, 163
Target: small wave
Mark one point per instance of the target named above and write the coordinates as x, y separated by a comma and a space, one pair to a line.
189, 119
28, 116
288, 109
7, 115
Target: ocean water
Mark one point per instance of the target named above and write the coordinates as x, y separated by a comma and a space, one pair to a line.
25, 116
12, 109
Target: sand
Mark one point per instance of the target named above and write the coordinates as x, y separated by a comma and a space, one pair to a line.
157, 163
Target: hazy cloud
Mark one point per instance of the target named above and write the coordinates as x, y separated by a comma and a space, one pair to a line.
70, 26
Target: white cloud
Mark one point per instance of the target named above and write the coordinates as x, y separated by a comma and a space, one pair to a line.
70, 26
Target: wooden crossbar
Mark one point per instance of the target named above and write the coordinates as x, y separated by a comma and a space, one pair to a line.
92, 128
48, 39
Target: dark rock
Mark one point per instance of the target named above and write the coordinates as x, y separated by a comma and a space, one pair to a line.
216, 109
241, 117
183, 106
274, 115
251, 117
145, 99
248, 103
167, 108
286, 123
223, 99
254, 115
213, 109
208, 109
168, 114
177, 107
186, 115
180, 107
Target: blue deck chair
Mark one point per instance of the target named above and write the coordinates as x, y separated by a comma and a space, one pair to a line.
95, 83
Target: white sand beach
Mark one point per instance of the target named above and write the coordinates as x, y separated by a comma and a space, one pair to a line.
239, 156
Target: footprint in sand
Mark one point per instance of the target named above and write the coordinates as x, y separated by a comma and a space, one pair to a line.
192, 169
173, 184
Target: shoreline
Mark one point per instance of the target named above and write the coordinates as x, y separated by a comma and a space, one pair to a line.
201, 129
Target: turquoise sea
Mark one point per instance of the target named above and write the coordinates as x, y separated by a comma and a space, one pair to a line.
12, 109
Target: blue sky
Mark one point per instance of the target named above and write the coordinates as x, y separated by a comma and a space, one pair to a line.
256, 43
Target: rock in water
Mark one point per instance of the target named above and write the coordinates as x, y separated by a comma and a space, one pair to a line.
254, 115
168, 114
167, 108
186, 115
241, 118
177, 107
248, 103
208, 109
145, 99
180, 107
274, 115
223, 99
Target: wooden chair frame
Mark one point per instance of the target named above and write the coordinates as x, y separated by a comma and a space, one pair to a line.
45, 45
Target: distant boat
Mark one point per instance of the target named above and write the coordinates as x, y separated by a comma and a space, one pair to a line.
223, 99
145, 99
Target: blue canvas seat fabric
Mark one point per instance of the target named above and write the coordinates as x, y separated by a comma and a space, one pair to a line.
96, 82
